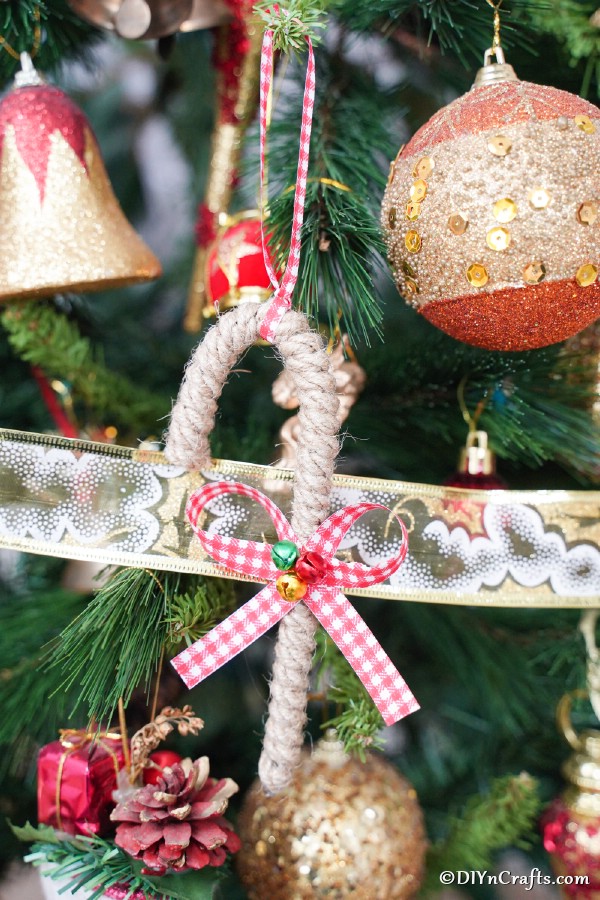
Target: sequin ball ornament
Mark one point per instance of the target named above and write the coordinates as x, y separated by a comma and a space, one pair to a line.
571, 824
61, 227
235, 267
342, 829
505, 249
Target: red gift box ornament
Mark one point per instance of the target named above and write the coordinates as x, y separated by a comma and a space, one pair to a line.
76, 777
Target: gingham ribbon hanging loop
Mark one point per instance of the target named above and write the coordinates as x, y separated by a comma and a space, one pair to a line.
282, 297
359, 645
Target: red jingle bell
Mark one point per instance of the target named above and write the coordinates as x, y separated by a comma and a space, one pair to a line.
310, 566
161, 759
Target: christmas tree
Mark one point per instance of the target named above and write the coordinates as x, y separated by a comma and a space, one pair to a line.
492, 236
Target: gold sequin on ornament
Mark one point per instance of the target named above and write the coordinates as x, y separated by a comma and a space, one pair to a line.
498, 238
585, 124
477, 275
423, 167
458, 223
413, 210
505, 210
586, 274
534, 272
411, 287
408, 269
343, 829
499, 145
392, 217
539, 198
587, 213
418, 190
412, 241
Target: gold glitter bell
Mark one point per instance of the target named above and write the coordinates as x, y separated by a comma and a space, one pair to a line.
145, 19
342, 829
61, 227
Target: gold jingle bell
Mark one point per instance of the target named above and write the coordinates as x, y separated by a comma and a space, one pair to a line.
61, 227
571, 824
291, 587
147, 19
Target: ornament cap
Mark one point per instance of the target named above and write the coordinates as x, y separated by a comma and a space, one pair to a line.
28, 76
476, 458
494, 73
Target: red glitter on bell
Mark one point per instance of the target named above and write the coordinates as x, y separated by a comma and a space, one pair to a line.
61, 227
492, 214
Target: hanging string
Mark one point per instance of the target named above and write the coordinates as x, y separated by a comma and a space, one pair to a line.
37, 39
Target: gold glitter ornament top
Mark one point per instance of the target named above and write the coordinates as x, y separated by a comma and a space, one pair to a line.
519, 164
61, 227
343, 829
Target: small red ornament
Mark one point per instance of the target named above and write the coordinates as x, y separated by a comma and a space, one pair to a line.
310, 567
476, 466
571, 824
161, 759
76, 778
235, 267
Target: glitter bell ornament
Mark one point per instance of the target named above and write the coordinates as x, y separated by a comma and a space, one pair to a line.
235, 267
146, 19
342, 829
61, 227
491, 213
571, 824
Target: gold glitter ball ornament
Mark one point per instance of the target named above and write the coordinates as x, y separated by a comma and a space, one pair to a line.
61, 227
342, 829
519, 164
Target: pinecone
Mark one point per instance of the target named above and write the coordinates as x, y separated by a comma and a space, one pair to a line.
177, 823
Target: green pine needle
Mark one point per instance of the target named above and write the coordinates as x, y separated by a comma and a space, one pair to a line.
42, 336
357, 720
502, 817
115, 645
64, 34
291, 24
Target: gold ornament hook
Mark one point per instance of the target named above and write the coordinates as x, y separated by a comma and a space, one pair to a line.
500, 70
563, 717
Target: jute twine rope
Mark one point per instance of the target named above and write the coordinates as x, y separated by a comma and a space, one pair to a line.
187, 444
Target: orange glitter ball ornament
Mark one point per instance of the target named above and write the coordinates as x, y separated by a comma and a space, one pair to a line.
342, 829
519, 164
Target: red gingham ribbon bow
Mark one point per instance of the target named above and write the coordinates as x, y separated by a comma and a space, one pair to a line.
358, 644
282, 297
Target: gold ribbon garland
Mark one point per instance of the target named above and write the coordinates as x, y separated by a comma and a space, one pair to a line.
113, 505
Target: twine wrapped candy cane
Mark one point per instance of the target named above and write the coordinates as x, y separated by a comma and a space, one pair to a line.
192, 420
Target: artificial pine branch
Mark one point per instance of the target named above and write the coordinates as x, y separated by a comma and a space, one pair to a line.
41, 335
461, 27
357, 720
26, 625
95, 864
291, 24
114, 646
64, 34
536, 404
502, 817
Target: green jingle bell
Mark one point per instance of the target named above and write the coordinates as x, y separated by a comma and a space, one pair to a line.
284, 554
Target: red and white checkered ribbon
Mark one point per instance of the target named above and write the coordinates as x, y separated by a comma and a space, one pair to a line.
282, 297
359, 645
